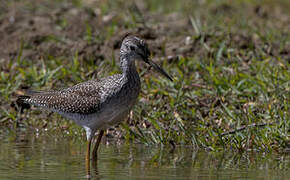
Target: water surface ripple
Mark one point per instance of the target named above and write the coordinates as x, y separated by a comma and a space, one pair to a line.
26, 156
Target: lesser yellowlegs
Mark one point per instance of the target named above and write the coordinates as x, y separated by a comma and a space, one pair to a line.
99, 104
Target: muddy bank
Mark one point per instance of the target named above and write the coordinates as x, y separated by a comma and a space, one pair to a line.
41, 29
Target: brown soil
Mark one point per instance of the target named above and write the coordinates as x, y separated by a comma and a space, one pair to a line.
41, 29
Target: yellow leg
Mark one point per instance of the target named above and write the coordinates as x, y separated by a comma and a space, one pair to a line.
95, 151
88, 156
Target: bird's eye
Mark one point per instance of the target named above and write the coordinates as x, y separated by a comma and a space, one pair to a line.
132, 48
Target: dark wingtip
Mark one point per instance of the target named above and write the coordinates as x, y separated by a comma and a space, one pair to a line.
21, 102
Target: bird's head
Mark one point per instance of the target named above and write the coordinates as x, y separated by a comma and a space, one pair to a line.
136, 48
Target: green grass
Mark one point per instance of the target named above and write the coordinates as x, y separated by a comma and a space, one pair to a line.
230, 90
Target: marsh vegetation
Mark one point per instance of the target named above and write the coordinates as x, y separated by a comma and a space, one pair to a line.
229, 60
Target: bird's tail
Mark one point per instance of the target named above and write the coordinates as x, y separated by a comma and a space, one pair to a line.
22, 101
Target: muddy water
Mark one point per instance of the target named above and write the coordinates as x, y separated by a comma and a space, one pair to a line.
25, 155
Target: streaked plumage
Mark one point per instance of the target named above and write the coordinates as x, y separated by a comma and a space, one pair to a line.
99, 104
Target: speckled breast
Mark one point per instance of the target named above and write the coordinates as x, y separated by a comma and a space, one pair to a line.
119, 106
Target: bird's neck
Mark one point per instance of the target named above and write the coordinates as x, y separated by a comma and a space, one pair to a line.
130, 77
128, 67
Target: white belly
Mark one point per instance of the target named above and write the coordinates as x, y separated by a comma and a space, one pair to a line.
109, 116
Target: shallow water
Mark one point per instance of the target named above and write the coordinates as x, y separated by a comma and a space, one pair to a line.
24, 155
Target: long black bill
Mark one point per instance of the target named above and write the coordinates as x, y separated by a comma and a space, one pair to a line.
158, 68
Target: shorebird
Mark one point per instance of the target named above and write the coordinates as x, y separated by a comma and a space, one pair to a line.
99, 104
